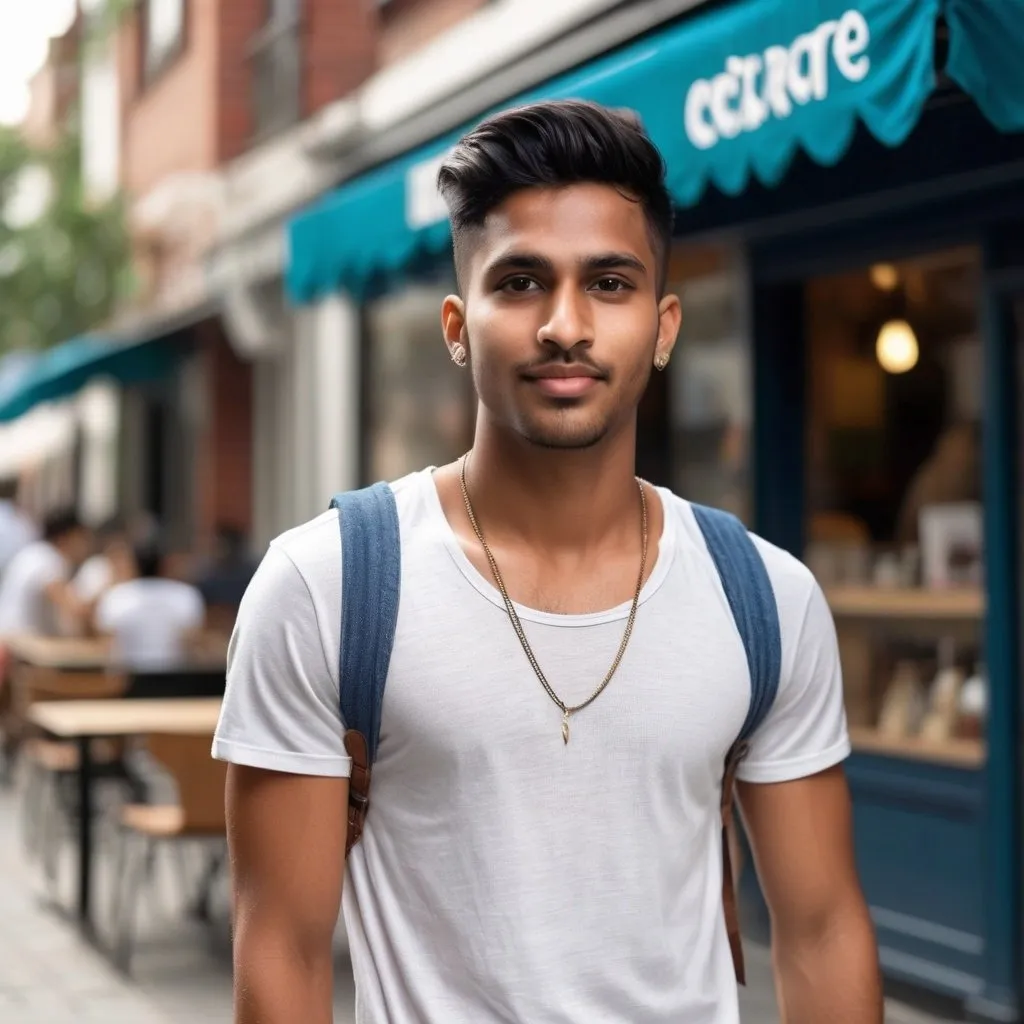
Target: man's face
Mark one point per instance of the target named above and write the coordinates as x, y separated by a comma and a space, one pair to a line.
561, 315
77, 545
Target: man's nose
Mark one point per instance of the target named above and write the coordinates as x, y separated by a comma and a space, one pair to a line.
569, 322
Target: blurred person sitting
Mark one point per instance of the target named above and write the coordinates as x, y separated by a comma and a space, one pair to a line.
151, 619
35, 597
223, 579
17, 528
35, 593
112, 562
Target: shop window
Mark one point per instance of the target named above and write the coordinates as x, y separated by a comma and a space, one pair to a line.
894, 515
163, 35
709, 381
277, 68
419, 406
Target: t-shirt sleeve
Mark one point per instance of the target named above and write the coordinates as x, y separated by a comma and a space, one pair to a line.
280, 708
193, 609
805, 731
52, 569
105, 615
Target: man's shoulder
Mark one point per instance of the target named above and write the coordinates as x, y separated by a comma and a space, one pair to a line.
791, 580
314, 547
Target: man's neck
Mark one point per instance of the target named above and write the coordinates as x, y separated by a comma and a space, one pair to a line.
553, 498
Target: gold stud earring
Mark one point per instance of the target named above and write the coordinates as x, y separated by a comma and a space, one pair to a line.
458, 355
660, 362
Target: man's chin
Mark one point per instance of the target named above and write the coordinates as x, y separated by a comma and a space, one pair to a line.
565, 437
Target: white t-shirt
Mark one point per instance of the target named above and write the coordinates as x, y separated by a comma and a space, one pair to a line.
93, 577
502, 875
23, 604
17, 531
149, 620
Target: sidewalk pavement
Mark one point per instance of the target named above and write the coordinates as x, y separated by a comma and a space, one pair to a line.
179, 976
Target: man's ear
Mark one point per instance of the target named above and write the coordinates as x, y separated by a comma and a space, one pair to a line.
453, 323
670, 318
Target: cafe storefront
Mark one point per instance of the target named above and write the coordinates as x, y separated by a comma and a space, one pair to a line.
849, 176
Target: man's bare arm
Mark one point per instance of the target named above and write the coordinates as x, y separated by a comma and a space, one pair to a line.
286, 838
63, 598
826, 958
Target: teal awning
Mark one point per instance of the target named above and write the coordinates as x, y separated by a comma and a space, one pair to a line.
64, 369
727, 94
986, 56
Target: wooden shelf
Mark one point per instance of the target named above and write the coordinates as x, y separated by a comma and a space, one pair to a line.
866, 602
962, 753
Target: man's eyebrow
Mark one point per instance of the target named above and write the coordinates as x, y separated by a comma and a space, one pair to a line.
614, 261
533, 261
520, 261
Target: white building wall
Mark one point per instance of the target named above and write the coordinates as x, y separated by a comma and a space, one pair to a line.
306, 412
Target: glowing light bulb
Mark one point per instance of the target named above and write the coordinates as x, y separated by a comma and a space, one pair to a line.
897, 349
885, 277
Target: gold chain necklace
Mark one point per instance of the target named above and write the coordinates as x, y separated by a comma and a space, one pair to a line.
566, 709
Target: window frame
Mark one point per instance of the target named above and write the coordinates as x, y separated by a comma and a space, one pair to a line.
276, 29
153, 67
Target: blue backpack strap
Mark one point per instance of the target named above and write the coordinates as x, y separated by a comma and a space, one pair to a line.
371, 578
752, 600
749, 592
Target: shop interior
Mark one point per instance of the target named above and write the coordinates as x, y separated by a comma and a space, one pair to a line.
893, 498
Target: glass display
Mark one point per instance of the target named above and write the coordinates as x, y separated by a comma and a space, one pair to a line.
894, 514
420, 408
710, 385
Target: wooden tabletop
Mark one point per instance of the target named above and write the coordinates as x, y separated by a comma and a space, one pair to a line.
60, 652
72, 719
77, 654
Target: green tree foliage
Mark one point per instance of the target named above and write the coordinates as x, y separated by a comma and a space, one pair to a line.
64, 260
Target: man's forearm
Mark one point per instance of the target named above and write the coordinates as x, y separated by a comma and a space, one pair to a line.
280, 986
832, 974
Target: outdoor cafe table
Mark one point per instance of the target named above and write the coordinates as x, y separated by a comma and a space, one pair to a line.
70, 653
86, 720
201, 675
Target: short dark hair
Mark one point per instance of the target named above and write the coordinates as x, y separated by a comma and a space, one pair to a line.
149, 559
551, 144
59, 523
110, 529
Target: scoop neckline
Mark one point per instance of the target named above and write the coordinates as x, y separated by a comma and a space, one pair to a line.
487, 589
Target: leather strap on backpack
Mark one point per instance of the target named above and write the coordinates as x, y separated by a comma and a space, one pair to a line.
358, 786
729, 903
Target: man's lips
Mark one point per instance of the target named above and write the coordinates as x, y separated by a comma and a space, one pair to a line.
565, 387
562, 381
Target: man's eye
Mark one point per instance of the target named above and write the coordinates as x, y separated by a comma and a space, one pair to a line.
611, 284
519, 284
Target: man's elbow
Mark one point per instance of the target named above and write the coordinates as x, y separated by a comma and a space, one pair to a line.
260, 938
840, 923
282, 972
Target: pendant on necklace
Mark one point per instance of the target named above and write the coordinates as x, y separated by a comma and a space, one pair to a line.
565, 726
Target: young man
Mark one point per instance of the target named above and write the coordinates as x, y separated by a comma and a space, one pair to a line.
524, 861
150, 618
36, 595
17, 530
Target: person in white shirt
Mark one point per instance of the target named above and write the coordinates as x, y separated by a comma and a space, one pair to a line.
34, 591
36, 598
506, 871
112, 562
151, 618
17, 529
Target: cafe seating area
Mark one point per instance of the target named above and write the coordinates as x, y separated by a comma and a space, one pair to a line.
112, 767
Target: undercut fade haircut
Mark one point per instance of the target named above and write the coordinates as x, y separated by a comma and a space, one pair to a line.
551, 145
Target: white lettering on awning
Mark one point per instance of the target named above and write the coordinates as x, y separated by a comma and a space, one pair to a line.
751, 89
